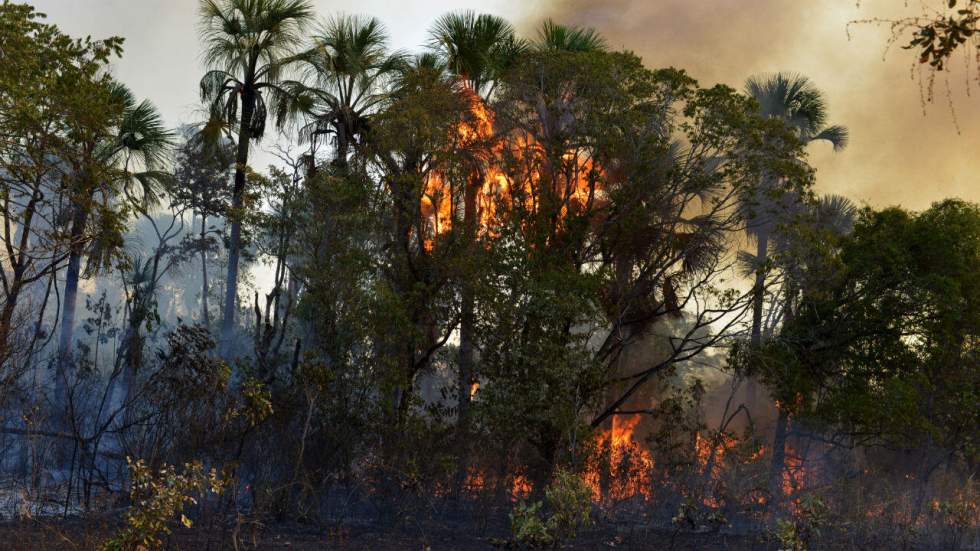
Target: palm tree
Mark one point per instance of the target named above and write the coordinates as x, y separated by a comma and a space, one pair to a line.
347, 67
248, 46
800, 105
797, 102
475, 50
122, 161
830, 214
552, 36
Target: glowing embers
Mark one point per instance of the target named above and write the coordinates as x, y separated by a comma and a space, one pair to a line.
478, 482
794, 474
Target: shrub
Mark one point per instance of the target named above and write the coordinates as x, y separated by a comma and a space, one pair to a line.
158, 498
569, 502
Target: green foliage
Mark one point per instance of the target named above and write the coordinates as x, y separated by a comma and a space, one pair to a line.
158, 498
249, 44
937, 37
799, 532
257, 402
527, 526
885, 343
690, 516
569, 505
570, 501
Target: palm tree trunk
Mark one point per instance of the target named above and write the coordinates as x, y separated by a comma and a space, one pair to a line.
68, 308
343, 146
467, 338
205, 316
758, 297
762, 253
234, 242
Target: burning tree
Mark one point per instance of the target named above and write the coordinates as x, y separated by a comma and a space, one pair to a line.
608, 209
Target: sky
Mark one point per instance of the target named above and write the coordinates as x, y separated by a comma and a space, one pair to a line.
900, 153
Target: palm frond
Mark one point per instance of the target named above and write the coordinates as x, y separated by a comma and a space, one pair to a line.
837, 135
797, 101
836, 213
552, 36
475, 48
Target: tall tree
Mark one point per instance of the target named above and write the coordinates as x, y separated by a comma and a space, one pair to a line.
613, 219
829, 218
114, 162
54, 94
201, 183
249, 44
476, 50
794, 100
883, 344
347, 68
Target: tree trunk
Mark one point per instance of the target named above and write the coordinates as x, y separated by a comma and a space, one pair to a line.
72, 275
343, 146
205, 316
6, 320
758, 299
234, 243
467, 346
778, 464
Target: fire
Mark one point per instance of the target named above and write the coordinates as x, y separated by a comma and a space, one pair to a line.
520, 488
715, 453
794, 474
629, 472
711, 451
475, 480
572, 185
622, 431
437, 207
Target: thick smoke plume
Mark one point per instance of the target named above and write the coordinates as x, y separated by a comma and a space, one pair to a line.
902, 151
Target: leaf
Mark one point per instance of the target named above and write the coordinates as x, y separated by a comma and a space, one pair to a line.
186, 521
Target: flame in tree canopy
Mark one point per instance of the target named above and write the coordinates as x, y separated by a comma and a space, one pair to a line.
509, 175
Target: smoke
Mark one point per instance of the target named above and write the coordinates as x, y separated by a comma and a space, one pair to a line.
898, 155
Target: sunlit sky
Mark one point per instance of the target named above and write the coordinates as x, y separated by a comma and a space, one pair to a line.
898, 154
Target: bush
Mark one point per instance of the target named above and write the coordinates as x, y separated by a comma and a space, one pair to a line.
157, 500
569, 502
798, 533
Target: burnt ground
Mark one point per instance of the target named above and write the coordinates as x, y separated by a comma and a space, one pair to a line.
88, 535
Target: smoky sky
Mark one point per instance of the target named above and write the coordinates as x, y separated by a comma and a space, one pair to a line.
897, 155
162, 57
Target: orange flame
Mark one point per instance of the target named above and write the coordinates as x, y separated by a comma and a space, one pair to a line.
574, 179
794, 474
629, 472
475, 480
520, 488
